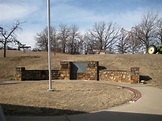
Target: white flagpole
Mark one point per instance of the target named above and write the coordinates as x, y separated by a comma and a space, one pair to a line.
49, 46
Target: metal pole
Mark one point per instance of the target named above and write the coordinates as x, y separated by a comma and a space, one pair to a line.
49, 46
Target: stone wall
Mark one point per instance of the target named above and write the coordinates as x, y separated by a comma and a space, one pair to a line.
22, 74
65, 70
65, 73
82, 70
73, 70
131, 76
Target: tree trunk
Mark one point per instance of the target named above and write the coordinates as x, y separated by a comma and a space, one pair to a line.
63, 49
147, 46
4, 50
101, 48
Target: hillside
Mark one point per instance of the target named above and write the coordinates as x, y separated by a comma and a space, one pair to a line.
150, 65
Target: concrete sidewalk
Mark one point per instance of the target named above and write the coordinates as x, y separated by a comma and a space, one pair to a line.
147, 108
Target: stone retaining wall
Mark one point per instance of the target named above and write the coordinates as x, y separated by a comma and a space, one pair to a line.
66, 72
131, 76
88, 70
22, 74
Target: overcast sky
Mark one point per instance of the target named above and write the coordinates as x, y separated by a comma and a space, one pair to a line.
84, 13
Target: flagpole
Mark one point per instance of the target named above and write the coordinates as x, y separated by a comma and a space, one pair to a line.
49, 46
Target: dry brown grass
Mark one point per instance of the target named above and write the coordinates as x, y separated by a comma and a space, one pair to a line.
32, 98
76, 96
150, 65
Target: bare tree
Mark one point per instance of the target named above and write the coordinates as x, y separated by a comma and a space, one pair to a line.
145, 31
159, 30
129, 42
123, 44
135, 45
54, 42
105, 34
74, 39
42, 39
89, 44
63, 36
9, 36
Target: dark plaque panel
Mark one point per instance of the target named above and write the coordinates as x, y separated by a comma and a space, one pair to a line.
79, 67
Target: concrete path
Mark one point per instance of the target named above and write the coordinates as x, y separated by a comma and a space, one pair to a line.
149, 103
147, 108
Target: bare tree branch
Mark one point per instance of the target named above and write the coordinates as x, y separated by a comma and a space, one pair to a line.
145, 31
42, 39
63, 36
159, 30
105, 34
9, 36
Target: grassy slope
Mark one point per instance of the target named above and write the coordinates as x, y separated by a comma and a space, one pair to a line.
150, 65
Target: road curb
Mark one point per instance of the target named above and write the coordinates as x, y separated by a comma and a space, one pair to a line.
136, 94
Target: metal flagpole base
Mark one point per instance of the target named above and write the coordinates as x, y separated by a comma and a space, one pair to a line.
50, 90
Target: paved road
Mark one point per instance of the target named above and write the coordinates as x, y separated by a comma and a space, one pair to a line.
2, 117
147, 108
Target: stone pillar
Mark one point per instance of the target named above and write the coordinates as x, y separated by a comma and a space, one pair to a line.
135, 78
19, 73
92, 70
65, 70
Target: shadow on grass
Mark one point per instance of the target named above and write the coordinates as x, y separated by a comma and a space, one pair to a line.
101, 68
17, 110
7, 83
146, 78
28, 113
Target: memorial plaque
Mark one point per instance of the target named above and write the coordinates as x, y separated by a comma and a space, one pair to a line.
79, 67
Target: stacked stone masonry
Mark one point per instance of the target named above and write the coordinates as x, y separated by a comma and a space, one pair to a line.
131, 76
22, 74
74, 70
